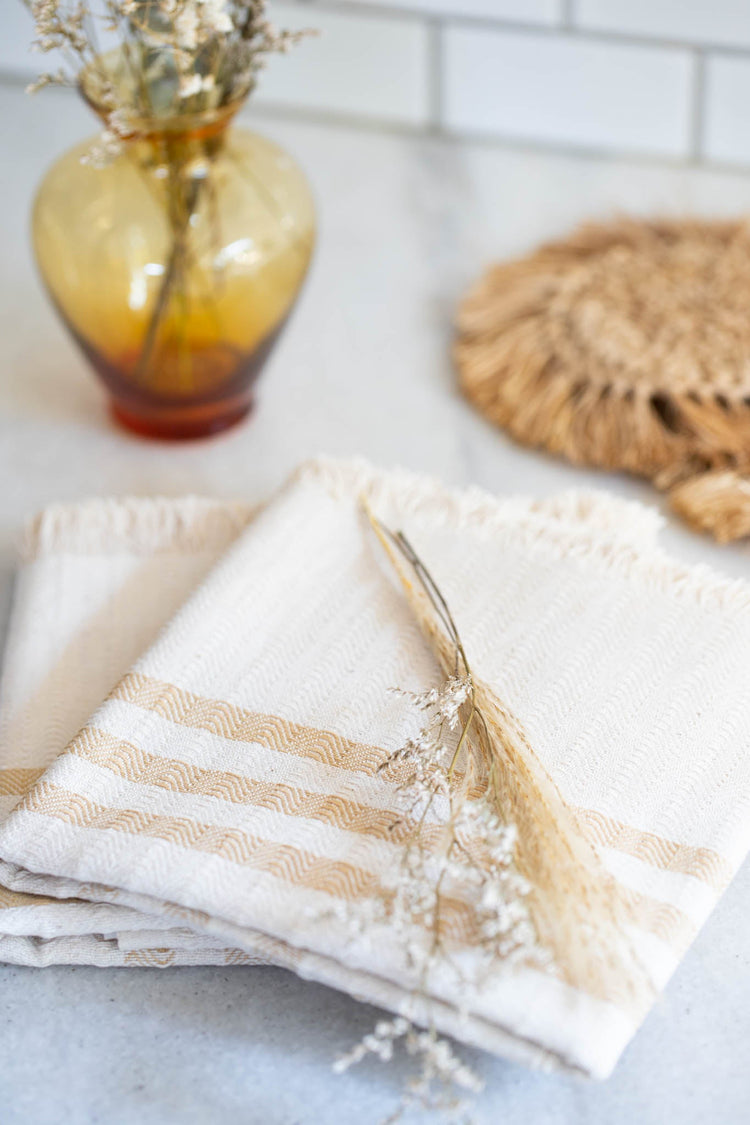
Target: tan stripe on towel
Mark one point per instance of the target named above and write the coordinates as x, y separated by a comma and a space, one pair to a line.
656, 851
17, 782
13, 900
293, 865
236, 724
662, 919
296, 866
150, 958
136, 765
241, 725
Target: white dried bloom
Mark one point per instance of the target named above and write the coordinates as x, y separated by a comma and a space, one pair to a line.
441, 1064
378, 1043
460, 847
110, 142
215, 16
192, 84
186, 26
445, 701
106, 148
53, 78
442, 1079
423, 763
472, 856
360, 918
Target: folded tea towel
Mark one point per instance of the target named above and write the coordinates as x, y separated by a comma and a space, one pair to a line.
229, 783
97, 582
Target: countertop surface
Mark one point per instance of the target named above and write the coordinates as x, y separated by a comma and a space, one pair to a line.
405, 223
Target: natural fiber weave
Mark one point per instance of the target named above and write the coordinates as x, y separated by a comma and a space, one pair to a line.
626, 346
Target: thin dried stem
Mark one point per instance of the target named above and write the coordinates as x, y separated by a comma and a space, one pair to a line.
491, 831
458, 861
579, 912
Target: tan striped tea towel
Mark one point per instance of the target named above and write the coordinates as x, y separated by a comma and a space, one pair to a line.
96, 583
230, 779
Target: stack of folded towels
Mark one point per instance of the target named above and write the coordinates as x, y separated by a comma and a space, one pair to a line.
196, 701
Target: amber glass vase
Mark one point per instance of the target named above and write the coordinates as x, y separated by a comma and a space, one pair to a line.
175, 266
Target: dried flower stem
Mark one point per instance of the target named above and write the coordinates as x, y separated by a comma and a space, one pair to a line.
539, 896
579, 912
458, 853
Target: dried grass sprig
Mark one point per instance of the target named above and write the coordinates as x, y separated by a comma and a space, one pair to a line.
489, 828
580, 914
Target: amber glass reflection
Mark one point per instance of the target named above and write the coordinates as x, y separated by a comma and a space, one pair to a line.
175, 266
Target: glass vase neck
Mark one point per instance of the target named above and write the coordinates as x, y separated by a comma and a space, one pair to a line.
178, 128
188, 122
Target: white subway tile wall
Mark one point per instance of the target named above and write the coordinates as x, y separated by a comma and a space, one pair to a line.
726, 127
718, 22
663, 78
567, 90
359, 64
16, 30
518, 11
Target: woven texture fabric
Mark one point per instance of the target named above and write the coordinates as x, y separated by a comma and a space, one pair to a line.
623, 346
96, 582
227, 790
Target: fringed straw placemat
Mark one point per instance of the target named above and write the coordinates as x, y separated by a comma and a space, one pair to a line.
626, 346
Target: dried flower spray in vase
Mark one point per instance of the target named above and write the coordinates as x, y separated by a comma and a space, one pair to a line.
174, 244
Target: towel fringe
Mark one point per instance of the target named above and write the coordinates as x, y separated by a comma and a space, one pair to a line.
619, 535
134, 524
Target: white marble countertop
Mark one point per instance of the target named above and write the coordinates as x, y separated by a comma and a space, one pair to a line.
405, 223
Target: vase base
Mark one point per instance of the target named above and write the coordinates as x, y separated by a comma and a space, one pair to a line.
181, 424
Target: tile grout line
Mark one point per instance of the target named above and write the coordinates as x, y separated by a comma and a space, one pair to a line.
435, 104
569, 28
565, 27
567, 15
10, 80
435, 75
698, 106
485, 140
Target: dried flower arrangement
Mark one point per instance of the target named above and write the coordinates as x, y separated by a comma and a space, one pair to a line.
166, 92
493, 863
175, 57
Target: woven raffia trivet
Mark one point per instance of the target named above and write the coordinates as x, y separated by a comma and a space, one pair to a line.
626, 346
